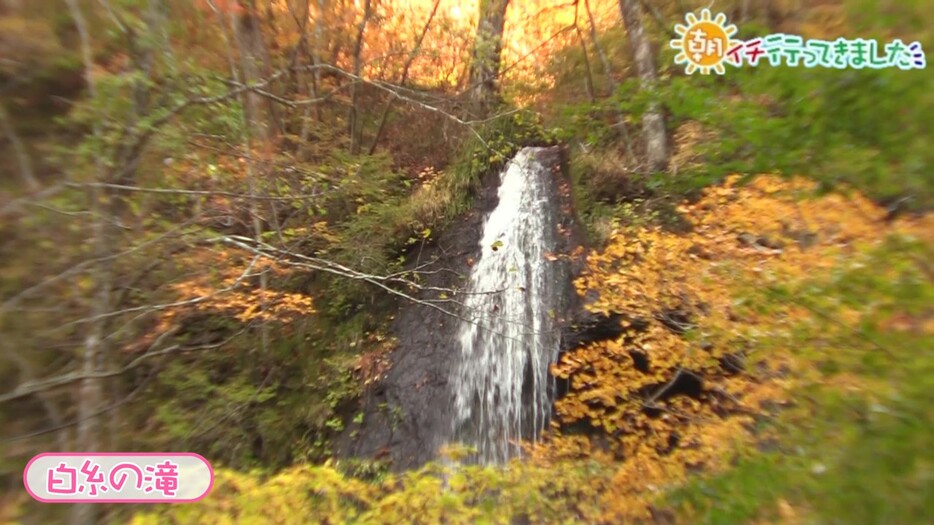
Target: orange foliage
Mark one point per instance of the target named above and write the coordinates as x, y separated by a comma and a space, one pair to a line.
534, 30
231, 287
681, 388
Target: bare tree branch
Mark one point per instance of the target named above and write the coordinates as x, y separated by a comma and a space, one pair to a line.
297, 260
165, 306
11, 303
14, 205
211, 193
126, 399
33, 387
405, 75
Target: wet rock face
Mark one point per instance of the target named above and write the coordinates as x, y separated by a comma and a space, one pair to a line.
409, 414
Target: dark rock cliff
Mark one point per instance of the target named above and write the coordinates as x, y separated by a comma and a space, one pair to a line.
407, 413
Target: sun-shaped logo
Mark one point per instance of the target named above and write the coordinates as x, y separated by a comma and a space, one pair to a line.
704, 42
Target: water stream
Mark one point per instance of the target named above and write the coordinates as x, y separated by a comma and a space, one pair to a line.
502, 388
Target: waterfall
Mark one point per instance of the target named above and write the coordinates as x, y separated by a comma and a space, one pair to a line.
508, 337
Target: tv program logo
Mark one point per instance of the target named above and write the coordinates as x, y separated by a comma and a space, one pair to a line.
706, 45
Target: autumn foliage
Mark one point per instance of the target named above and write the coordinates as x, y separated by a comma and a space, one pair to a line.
213, 206
707, 359
697, 366
232, 289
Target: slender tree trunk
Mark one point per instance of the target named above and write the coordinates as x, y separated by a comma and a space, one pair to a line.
653, 122
354, 125
256, 128
90, 391
659, 19
485, 59
316, 54
315, 76
249, 39
611, 81
405, 76
588, 78
159, 11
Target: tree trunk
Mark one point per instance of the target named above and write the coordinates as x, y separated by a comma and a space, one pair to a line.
588, 78
485, 60
90, 391
356, 134
405, 76
249, 40
315, 82
611, 81
257, 130
653, 122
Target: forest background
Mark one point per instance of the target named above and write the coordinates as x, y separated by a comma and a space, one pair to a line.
207, 208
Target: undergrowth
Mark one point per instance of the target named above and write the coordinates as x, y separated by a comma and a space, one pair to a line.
806, 329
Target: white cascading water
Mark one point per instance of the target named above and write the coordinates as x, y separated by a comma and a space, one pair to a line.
502, 387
